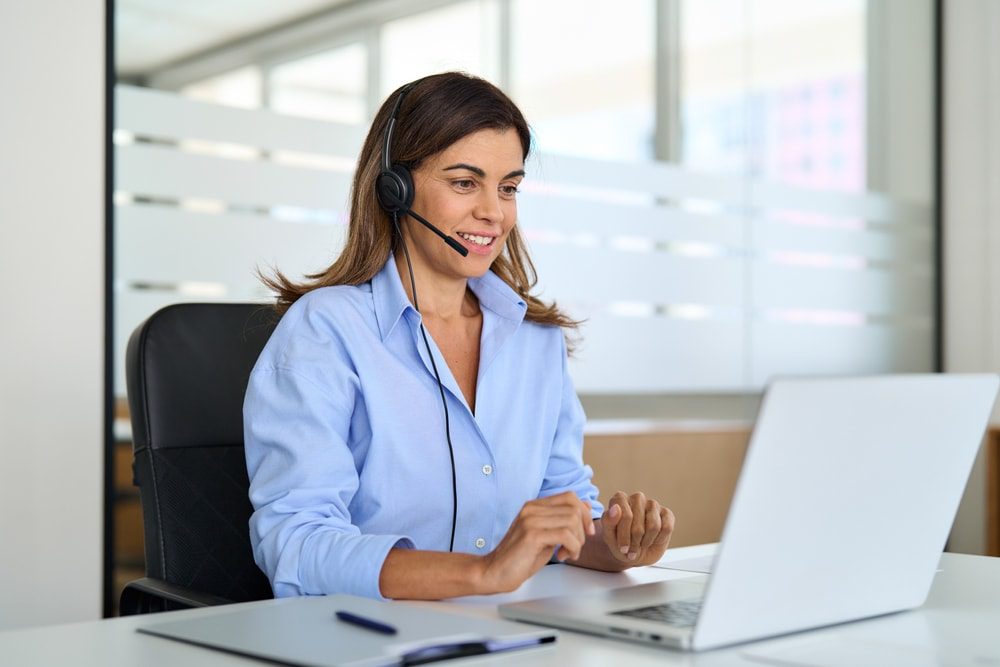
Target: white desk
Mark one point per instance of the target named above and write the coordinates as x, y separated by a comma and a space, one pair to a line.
959, 625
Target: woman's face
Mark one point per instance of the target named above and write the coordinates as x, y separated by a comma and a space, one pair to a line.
468, 191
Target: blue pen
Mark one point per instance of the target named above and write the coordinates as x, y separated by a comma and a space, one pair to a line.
370, 624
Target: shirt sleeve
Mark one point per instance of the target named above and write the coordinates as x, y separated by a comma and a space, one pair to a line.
566, 470
302, 479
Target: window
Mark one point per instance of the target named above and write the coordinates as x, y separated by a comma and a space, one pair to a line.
784, 223
775, 90
331, 85
583, 72
239, 88
463, 36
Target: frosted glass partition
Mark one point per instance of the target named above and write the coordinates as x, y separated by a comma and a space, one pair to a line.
699, 283
688, 282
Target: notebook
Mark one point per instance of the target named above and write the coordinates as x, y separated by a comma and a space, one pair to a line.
305, 631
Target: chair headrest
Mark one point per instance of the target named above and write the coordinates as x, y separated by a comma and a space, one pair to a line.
187, 368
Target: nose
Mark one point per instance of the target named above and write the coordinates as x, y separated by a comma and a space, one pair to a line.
488, 208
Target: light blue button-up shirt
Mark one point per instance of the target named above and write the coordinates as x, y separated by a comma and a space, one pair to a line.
345, 435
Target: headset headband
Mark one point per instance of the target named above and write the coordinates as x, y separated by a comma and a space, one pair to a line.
386, 161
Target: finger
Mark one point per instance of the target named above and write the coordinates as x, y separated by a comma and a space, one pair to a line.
609, 521
562, 502
637, 503
570, 499
555, 518
567, 498
568, 541
565, 553
653, 523
667, 521
586, 518
623, 531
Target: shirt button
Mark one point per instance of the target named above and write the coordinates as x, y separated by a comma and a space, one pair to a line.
487, 469
480, 543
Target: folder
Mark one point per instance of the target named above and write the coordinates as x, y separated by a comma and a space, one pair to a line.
306, 631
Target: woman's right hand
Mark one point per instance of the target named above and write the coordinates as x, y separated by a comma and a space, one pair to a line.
541, 525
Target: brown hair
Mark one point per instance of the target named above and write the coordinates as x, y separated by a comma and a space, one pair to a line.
437, 111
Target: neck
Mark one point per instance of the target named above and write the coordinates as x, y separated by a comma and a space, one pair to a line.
440, 297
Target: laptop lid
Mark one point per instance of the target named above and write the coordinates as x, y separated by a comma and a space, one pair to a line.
843, 505
844, 502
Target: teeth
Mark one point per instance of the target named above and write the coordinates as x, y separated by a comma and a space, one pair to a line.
478, 240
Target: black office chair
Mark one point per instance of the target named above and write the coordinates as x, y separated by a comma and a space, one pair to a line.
187, 368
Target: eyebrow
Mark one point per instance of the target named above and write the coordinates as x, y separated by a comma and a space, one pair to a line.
480, 173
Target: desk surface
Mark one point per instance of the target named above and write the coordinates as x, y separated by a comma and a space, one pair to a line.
958, 625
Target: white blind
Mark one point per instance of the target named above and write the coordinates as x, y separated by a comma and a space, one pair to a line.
689, 282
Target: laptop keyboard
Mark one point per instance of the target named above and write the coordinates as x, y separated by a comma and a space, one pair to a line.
681, 613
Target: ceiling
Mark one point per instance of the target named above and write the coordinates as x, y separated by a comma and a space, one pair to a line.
152, 33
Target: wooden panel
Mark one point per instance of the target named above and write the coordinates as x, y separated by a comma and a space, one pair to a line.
128, 531
993, 492
123, 469
693, 473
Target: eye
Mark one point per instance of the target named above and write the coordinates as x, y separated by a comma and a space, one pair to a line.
464, 184
509, 191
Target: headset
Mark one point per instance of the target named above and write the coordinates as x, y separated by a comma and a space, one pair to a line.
394, 188
394, 185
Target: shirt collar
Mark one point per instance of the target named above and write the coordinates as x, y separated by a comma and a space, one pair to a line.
496, 295
391, 300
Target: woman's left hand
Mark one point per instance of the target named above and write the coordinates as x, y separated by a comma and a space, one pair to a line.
636, 529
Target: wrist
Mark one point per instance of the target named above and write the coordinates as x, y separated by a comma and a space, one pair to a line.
478, 575
597, 554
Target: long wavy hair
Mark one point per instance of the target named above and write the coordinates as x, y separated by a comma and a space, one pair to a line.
438, 110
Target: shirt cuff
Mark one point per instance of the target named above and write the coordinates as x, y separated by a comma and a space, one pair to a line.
350, 564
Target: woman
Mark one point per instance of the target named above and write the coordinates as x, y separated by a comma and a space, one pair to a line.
432, 453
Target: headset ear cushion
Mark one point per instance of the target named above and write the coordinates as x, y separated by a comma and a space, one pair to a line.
395, 189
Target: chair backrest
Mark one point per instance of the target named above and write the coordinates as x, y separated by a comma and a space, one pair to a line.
187, 368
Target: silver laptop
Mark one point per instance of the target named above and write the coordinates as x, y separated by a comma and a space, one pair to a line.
846, 497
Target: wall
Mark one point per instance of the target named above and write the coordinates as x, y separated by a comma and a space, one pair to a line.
689, 467
972, 216
52, 272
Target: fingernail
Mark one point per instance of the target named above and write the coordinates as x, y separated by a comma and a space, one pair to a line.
625, 549
632, 555
590, 528
614, 511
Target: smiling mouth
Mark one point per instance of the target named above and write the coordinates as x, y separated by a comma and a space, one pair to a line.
482, 241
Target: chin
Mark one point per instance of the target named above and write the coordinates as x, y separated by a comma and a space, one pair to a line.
476, 268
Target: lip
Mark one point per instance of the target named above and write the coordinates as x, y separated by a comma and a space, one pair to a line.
477, 249
489, 234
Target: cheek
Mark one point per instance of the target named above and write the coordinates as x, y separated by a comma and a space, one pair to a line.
509, 213
452, 208
433, 200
